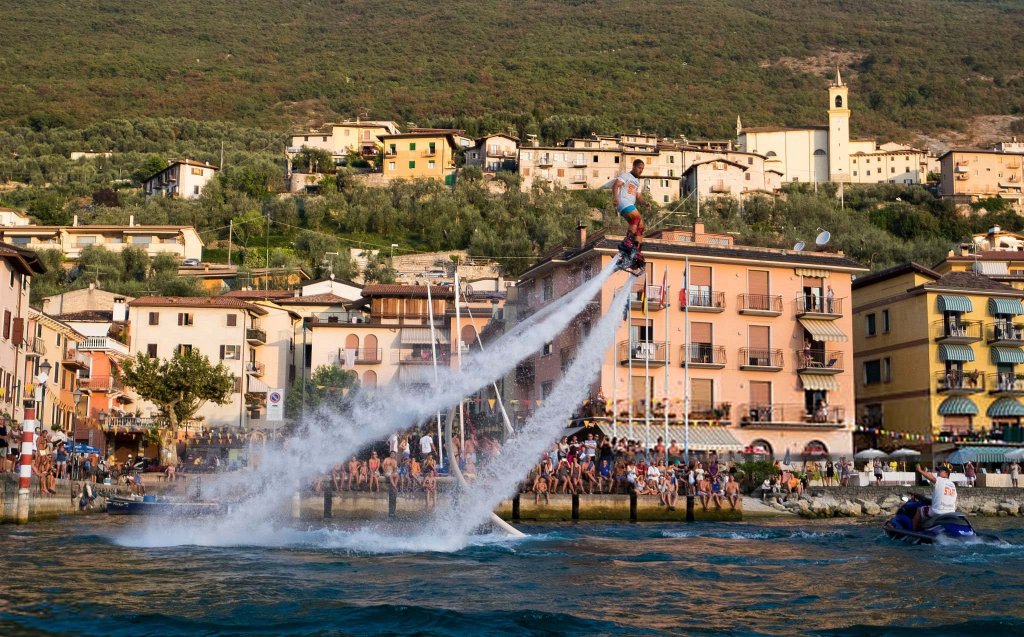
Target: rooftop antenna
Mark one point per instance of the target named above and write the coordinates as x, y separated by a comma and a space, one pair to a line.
799, 245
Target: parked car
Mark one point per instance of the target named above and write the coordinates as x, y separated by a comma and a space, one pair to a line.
191, 262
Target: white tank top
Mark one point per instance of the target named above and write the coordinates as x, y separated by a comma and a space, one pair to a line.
943, 496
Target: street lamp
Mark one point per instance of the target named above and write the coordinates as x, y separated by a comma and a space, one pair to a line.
44, 375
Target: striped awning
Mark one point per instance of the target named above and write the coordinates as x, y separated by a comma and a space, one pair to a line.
1005, 408
1005, 306
822, 330
1007, 355
819, 382
958, 406
421, 336
702, 438
992, 268
955, 353
257, 386
812, 272
954, 303
987, 454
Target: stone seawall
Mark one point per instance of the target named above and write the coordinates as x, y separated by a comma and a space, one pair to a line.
828, 502
50, 506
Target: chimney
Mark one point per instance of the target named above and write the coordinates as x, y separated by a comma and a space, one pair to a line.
74, 221
581, 235
120, 310
131, 221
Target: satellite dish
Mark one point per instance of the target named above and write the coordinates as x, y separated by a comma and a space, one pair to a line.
800, 245
823, 238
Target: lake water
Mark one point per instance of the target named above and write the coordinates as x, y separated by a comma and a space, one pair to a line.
104, 576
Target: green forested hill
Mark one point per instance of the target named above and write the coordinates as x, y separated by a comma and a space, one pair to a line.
548, 66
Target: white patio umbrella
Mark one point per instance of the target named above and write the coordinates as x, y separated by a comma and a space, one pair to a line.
904, 453
870, 454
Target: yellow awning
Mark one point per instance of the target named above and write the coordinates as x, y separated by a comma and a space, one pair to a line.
812, 272
822, 330
819, 382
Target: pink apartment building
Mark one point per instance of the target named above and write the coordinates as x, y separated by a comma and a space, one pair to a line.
768, 360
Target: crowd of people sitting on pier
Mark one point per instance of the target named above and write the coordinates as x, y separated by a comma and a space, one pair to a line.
620, 466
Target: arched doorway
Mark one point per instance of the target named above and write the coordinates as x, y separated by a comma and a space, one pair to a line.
815, 449
468, 336
370, 353
761, 447
370, 379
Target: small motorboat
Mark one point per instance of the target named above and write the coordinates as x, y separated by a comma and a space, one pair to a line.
152, 505
953, 527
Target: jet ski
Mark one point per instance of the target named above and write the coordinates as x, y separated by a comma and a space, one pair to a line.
949, 527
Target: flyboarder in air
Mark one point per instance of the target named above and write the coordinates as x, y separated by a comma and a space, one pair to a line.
627, 194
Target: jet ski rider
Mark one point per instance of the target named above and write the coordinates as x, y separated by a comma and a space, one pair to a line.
943, 496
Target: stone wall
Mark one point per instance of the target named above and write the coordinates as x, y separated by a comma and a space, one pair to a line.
827, 502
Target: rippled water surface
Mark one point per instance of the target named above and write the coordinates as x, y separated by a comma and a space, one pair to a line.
105, 576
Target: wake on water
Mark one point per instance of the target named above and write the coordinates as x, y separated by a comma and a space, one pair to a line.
327, 438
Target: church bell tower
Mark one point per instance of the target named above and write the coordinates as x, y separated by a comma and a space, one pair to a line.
838, 131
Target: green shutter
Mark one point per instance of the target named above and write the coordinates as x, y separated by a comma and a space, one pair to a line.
412, 165
412, 145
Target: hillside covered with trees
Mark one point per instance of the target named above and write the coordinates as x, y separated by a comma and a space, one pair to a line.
549, 67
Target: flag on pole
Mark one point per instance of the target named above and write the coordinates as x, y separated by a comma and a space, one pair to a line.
683, 291
664, 289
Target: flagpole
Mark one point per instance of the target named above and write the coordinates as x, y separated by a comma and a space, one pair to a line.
664, 307
615, 402
458, 349
647, 366
686, 361
433, 355
629, 356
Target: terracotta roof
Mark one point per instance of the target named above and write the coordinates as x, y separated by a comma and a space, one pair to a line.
988, 255
258, 295
413, 291
715, 161
335, 279
93, 228
984, 151
970, 281
24, 261
779, 129
102, 316
653, 247
196, 302
894, 271
313, 299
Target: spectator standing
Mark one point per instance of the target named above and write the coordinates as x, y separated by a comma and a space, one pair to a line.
970, 473
426, 446
1014, 472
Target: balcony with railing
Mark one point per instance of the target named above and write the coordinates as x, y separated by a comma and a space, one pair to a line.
959, 383
702, 355
361, 356
255, 336
75, 360
957, 331
1006, 384
791, 415
255, 368
701, 410
579, 178
545, 160
819, 361
653, 353
816, 306
35, 347
654, 295
101, 384
423, 356
128, 424
704, 301
103, 344
760, 304
1004, 333
760, 359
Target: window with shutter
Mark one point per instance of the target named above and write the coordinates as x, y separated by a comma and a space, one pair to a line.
7, 323
232, 320
759, 337
760, 392
154, 318
151, 350
701, 393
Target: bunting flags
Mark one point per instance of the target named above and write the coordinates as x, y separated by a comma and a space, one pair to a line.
925, 438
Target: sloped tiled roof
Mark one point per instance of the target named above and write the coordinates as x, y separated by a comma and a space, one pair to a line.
259, 295
87, 315
196, 302
894, 271
25, 261
313, 299
971, 281
411, 291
